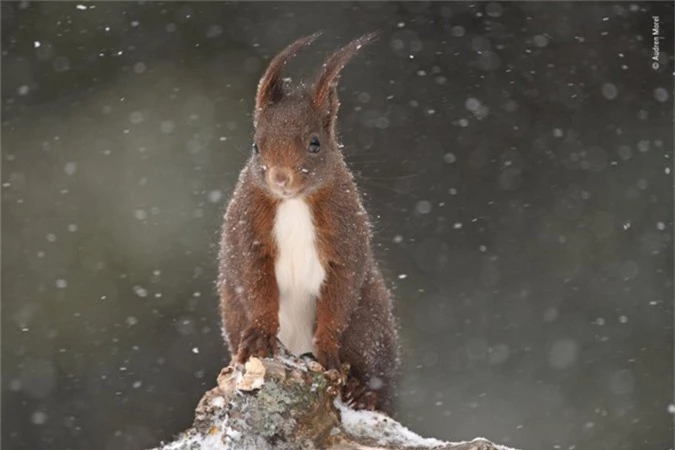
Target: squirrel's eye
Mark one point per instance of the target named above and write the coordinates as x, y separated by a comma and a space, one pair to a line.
314, 145
255, 148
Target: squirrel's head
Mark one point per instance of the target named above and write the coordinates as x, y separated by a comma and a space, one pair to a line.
295, 148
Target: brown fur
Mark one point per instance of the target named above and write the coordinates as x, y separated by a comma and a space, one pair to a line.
354, 318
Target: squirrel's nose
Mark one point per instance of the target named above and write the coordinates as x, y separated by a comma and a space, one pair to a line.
280, 180
281, 177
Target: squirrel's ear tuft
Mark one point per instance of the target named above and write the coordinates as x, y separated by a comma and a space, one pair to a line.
325, 96
270, 85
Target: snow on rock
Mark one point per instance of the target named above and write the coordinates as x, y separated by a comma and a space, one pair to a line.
382, 429
197, 441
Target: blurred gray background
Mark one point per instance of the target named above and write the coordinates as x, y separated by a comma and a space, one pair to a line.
516, 159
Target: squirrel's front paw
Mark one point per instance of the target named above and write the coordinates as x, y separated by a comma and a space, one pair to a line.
328, 359
256, 342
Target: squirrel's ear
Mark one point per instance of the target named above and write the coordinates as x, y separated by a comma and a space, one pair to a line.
270, 85
325, 96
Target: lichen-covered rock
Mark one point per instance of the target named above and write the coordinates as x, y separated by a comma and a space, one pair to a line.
285, 404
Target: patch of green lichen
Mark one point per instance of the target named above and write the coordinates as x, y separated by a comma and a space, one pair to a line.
283, 411
292, 397
275, 398
306, 396
268, 413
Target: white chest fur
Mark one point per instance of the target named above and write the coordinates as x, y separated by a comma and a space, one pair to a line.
299, 274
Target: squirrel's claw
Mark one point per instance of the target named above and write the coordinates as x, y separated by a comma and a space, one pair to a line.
256, 342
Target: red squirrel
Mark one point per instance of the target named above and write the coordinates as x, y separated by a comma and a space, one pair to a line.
296, 262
